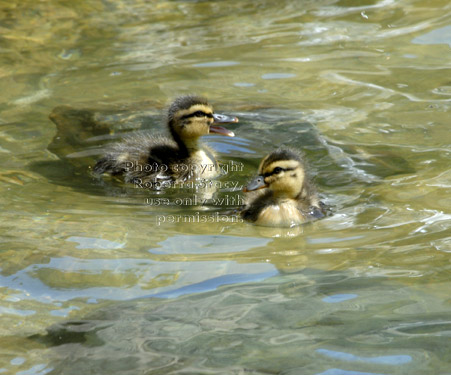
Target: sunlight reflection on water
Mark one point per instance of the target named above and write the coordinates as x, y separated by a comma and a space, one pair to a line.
361, 89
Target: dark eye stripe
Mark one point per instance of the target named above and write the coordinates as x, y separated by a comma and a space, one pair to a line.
275, 170
197, 114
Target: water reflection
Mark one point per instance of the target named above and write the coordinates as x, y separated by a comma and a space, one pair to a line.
337, 371
63, 279
362, 89
384, 360
438, 36
279, 321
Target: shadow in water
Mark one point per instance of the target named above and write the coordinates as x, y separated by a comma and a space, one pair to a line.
79, 140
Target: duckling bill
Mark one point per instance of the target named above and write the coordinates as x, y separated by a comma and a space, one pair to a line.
282, 195
146, 158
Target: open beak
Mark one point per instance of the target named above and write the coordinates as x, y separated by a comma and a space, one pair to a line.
256, 184
222, 119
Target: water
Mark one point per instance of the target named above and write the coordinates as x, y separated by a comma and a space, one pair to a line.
96, 278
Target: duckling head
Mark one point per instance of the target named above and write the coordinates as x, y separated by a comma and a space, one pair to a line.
190, 117
283, 172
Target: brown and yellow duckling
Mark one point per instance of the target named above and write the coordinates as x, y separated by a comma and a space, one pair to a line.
288, 198
145, 158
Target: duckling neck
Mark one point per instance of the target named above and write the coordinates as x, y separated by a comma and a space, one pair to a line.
289, 195
192, 145
192, 152
192, 149
186, 147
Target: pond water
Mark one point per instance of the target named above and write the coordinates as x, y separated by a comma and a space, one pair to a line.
97, 278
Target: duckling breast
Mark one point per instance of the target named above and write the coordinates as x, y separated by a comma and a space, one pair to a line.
284, 214
204, 164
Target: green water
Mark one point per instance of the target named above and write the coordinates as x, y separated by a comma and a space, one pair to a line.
96, 278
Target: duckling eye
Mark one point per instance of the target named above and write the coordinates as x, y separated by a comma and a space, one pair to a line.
202, 114
277, 170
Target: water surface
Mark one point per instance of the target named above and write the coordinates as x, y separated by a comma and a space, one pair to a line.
97, 278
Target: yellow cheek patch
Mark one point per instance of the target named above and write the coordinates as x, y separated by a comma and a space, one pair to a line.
194, 129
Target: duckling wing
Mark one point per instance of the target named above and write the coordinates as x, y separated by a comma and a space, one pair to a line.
138, 156
256, 203
108, 165
316, 212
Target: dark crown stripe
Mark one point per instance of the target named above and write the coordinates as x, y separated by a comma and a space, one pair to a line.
279, 155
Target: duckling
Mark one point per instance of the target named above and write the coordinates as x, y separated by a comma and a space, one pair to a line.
288, 197
151, 159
